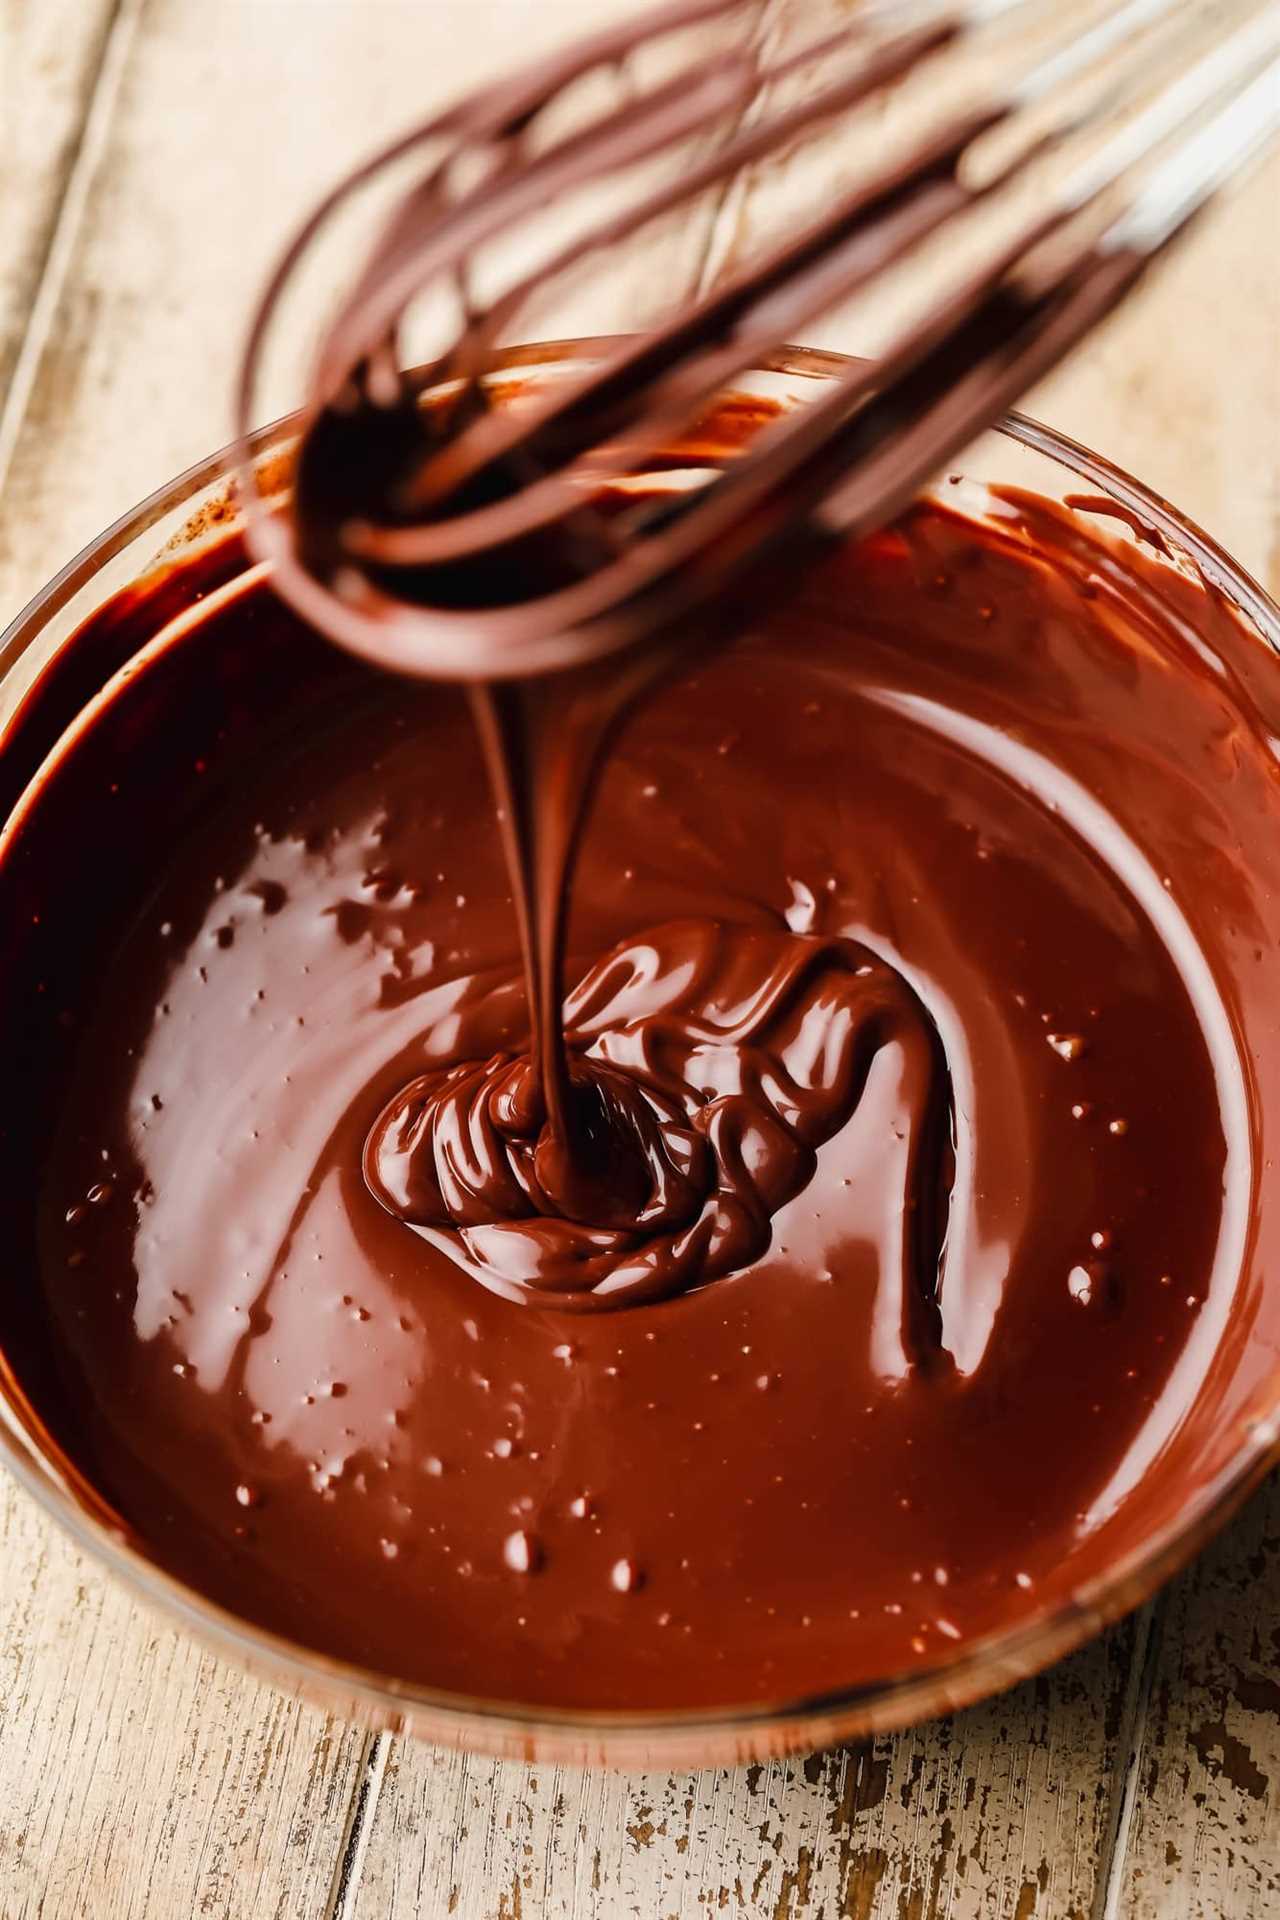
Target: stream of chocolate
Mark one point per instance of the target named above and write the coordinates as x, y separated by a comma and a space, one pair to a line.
937, 907
659, 1119
643, 1144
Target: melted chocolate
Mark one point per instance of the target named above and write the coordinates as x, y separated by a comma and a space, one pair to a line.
711, 1062
657, 1122
922, 952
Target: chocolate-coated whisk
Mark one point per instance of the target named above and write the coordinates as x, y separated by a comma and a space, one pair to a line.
459, 540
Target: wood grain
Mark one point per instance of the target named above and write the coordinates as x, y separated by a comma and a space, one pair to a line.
1181, 386
139, 1777
138, 1774
231, 120
49, 60
1002, 1810
1205, 1839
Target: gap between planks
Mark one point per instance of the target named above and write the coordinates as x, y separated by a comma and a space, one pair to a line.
361, 1811
1126, 1774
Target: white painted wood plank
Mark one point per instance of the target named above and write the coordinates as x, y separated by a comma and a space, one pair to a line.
1205, 1843
1181, 386
49, 56
231, 122
1000, 1811
140, 1778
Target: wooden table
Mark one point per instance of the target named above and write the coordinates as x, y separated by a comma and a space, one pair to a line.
154, 152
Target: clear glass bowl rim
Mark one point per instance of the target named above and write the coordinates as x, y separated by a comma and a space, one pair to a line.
699, 1736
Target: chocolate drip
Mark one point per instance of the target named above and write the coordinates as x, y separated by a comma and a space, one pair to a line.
709, 1064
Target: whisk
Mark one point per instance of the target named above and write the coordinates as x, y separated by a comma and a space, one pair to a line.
463, 539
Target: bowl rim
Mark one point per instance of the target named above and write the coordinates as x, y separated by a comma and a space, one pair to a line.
979, 1667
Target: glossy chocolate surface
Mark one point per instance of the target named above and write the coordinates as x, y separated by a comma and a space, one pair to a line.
951, 888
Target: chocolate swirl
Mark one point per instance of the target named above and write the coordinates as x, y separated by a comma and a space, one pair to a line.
708, 1065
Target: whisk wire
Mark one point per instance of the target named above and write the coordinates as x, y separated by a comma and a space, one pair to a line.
832, 466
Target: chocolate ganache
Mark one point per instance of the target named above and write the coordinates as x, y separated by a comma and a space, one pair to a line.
919, 942
641, 1142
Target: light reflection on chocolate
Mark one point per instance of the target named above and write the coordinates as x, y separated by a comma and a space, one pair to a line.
1023, 775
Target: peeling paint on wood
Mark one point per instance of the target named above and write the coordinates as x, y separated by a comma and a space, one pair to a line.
1205, 1842
1000, 1810
138, 1774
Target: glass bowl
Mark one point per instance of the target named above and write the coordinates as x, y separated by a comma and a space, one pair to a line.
199, 507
